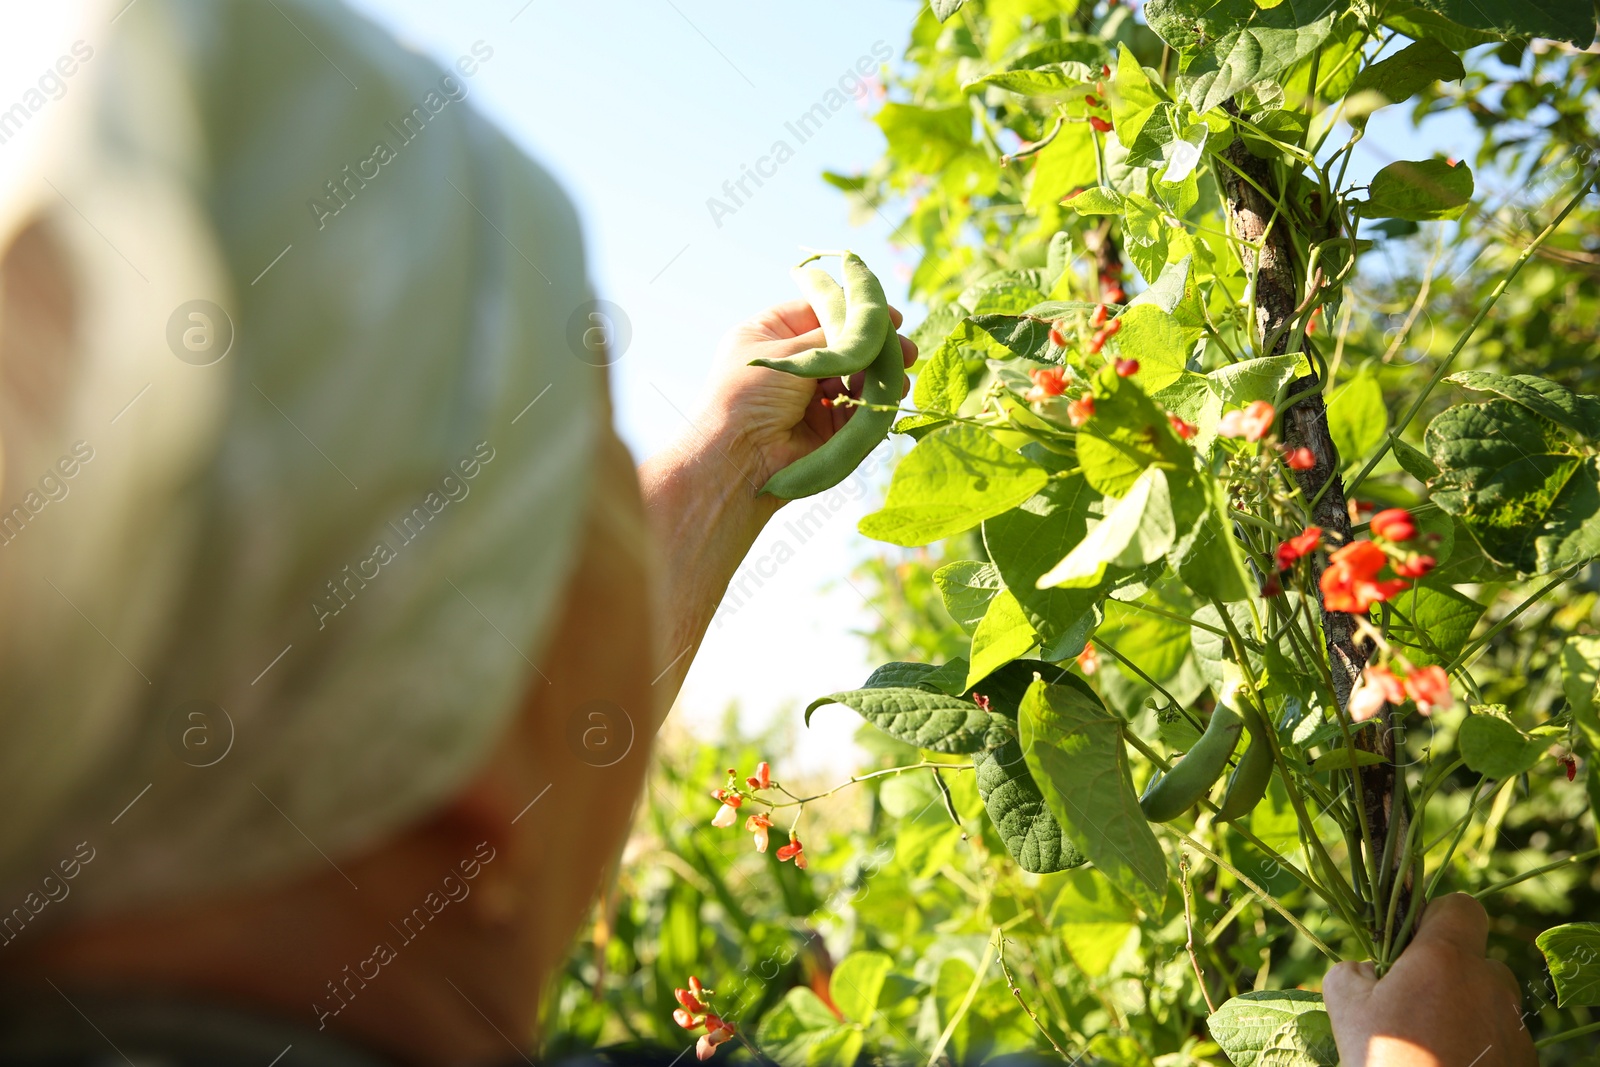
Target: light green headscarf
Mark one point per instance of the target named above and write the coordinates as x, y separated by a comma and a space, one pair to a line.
350, 531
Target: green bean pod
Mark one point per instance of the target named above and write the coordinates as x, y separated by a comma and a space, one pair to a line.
1249, 781
1170, 795
833, 461
860, 339
826, 297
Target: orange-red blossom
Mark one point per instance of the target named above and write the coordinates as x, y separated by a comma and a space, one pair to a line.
1351, 582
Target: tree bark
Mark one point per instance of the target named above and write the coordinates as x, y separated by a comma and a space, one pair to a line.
1305, 425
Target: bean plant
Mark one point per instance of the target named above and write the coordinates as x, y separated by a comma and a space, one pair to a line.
1250, 519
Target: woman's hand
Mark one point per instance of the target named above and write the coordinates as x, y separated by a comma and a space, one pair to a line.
1443, 1003
769, 419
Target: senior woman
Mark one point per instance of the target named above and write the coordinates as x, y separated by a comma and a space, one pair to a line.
338, 621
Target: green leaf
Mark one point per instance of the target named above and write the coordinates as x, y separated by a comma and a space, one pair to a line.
1156, 643
967, 587
1060, 67
1027, 541
1415, 462
1075, 748
1126, 435
919, 675
857, 983
1097, 200
1558, 20
1233, 44
1404, 74
1002, 636
1433, 623
925, 140
1168, 292
1515, 482
1002, 293
934, 721
1304, 1041
1495, 748
943, 9
1009, 794
1420, 24
940, 388
1580, 674
1207, 557
1136, 531
1092, 921
1159, 342
1192, 399
802, 1032
1250, 1022
1419, 190
1357, 419
1572, 952
954, 478
1256, 379
1064, 165
1580, 414
1022, 335
1136, 97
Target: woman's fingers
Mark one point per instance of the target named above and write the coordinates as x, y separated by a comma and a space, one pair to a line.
792, 318
1457, 920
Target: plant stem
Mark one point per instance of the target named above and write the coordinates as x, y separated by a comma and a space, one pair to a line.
1489, 634
1271, 901
1012, 985
859, 778
1188, 929
1536, 872
1566, 1035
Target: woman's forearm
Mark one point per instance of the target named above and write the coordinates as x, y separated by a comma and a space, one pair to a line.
701, 500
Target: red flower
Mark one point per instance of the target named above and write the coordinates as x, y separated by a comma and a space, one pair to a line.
1183, 429
1100, 124
729, 811
1099, 316
1394, 524
1301, 459
1057, 338
762, 779
981, 700
759, 824
1298, 547
1351, 583
1377, 686
1047, 382
1105, 71
1126, 368
1097, 342
1415, 566
1089, 659
1429, 687
793, 850
1113, 294
1272, 586
1252, 423
1092, 101
690, 1002
717, 1031
1570, 762
1080, 411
